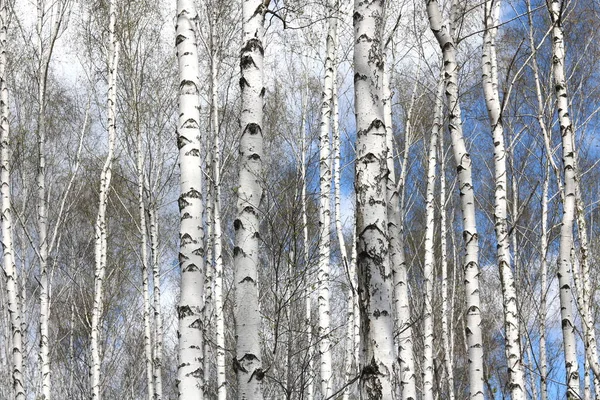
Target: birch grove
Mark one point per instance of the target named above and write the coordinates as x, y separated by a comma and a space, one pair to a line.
299, 200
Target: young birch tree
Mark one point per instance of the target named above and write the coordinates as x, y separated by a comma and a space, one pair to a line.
247, 358
447, 313
445, 40
564, 273
428, 269
100, 229
216, 198
374, 275
509, 294
326, 371
157, 351
8, 261
144, 262
191, 233
395, 199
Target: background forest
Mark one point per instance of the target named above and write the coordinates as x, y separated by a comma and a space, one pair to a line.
100, 191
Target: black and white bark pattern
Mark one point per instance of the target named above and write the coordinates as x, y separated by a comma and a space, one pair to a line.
374, 274
565, 272
190, 372
509, 293
100, 229
247, 359
8, 260
467, 200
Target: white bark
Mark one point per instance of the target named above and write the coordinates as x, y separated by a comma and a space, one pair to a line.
100, 250
349, 268
467, 197
248, 359
395, 198
158, 325
8, 262
326, 371
374, 275
308, 381
544, 286
428, 269
191, 248
145, 270
447, 313
44, 243
566, 229
217, 230
514, 360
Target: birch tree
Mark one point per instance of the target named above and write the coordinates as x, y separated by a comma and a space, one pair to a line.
8, 262
441, 31
564, 273
492, 98
428, 269
325, 206
248, 359
100, 231
191, 235
374, 275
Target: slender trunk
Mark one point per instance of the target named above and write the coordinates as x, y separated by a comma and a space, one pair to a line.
326, 371
217, 231
374, 275
566, 229
8, 264
42, 213
158, 326
467, 197
509, 294
44, 57
308, 381
395, 198
447, 312
585, 296
348, 268
545, 198
248, 359
428, 269
145, 271
544, 286
191, 234
100, 229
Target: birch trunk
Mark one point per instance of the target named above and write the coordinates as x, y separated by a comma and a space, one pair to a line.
158, 325
564, 273
348, 268
545, 198
395, 198
44, 243
511, 314
145, 271
325, 209
374, 275
467, 197
217, 230
544, 286
428, 269
8, 263
191, 235
447, 341
248, 359
308, 381
100, 250
42, 213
